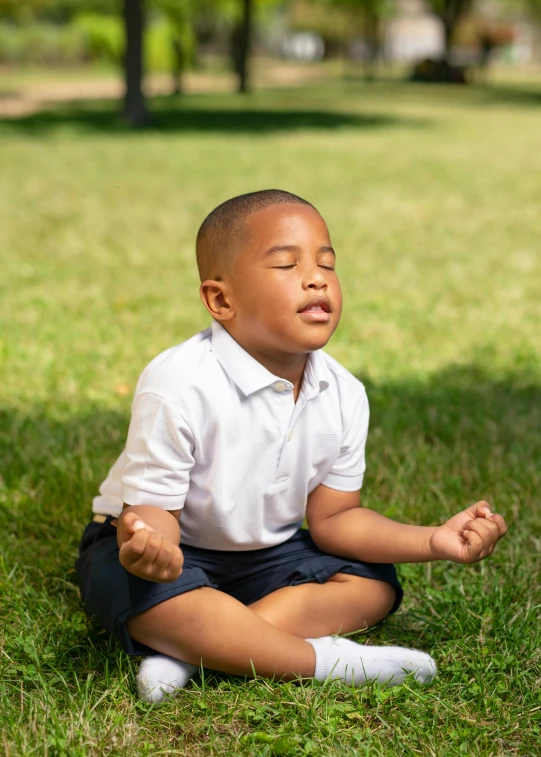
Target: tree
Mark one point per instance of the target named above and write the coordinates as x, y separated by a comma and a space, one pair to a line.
373, 12
450, 13
360, 17
207, 20
241, 44
182, 15
135, 110
58, 11
133, 14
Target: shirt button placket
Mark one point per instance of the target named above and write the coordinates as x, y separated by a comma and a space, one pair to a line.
284, 398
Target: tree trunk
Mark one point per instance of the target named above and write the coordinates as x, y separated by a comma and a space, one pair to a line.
452, 12
373, 39
178, 64
135, 112
244, 41
448, 32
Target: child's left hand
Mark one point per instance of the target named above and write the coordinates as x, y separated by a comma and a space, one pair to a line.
469, 536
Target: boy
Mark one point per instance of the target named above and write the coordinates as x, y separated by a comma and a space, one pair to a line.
237, 435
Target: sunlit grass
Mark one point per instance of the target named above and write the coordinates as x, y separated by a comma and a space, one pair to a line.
432, 199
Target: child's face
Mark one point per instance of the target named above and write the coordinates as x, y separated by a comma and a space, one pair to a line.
284, 290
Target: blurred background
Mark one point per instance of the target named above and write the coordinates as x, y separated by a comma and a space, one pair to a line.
65, 49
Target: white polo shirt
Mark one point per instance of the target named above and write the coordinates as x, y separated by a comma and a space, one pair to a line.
215, 434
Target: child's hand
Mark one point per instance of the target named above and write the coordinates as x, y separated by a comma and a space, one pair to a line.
146, 554
469, 536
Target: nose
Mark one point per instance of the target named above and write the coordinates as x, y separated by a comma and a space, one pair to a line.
315, 278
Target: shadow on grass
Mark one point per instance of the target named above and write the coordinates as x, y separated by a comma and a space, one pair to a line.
170, 115
518, 95
435, 446
476, 94
466, 407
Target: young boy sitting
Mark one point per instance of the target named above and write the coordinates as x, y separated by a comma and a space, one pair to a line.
196, 554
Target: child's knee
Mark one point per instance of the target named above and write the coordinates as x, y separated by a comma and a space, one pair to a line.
375, 599
387, 597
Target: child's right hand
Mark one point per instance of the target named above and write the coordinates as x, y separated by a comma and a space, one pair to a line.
146, 554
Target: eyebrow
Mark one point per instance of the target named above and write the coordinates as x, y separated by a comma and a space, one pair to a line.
293, 248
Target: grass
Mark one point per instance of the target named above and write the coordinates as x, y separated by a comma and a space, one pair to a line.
432, 198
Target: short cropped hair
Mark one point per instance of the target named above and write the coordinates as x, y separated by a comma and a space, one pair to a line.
224, 229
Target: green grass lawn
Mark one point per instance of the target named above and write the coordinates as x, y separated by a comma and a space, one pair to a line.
432, 196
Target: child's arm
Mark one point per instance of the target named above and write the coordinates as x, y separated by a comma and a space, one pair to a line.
148, 538
340, 527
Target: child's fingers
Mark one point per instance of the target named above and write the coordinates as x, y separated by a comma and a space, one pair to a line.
487, 529
500, 523
162, 560
175, 566
475, 545
129, 520
152, 547
132, 523
133, 549
147, 555
141, 550
481, 509
168, 565
482, 537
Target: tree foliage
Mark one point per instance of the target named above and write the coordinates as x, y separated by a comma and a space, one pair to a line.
58, 11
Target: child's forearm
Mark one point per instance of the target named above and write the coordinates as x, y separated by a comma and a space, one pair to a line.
365, 535
163, 522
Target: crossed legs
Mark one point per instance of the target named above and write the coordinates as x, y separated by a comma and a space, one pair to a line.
209, 627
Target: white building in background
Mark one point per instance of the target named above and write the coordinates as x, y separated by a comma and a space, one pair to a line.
303, 46
413, 33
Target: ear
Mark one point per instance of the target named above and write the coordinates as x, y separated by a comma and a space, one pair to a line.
215, 297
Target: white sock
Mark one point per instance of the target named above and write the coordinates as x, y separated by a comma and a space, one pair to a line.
357, 664
160, 676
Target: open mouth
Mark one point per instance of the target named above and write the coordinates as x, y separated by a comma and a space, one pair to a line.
317, 305
318, 309
315, 309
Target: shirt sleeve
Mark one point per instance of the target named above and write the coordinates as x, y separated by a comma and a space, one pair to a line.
159, 455
347, 472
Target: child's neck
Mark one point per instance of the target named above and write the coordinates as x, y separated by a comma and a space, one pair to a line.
290, 367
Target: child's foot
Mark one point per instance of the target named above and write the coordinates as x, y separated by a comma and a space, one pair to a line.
357, 664
160, 676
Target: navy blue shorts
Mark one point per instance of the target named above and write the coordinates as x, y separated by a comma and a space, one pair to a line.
112, 595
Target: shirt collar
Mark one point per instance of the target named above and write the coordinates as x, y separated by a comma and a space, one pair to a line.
250, 376
316, 375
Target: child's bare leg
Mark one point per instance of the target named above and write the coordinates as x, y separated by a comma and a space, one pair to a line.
208, 626
343, 604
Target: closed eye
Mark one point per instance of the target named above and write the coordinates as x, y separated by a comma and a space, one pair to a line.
292, 265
